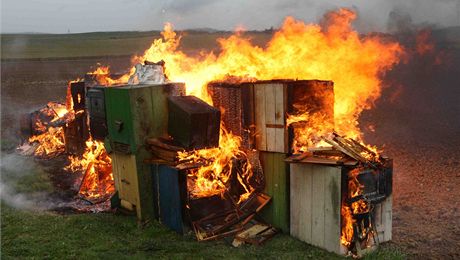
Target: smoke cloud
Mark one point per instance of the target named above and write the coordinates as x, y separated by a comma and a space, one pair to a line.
14, 170
84, 16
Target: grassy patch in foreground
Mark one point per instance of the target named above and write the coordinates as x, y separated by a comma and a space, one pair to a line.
29, 234
86, 236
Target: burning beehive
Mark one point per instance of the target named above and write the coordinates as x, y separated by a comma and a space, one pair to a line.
276, 118
341, 197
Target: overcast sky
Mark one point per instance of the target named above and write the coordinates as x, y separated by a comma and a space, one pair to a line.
62, 16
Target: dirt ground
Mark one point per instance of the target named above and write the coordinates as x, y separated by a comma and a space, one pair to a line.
417, 123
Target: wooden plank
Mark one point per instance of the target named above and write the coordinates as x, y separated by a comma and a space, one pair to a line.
270, 116
115, 171
307, 211
169, 198
127, 180
301, 199
277, 186
332, 204
387, 218
378, 219
280, 144
318, 197
259, 97
296, 198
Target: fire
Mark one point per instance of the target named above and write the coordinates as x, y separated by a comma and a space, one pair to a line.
50, 140
102, 75
98, 178
212, 178
357, 207
297, 50
95, 163
49, 143
347, 226
308, 130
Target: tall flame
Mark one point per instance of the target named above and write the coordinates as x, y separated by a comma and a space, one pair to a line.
297, 50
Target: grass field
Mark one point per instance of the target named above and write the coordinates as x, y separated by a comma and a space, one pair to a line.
39, 46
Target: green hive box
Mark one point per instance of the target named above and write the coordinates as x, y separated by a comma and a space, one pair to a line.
276, 173
135, 113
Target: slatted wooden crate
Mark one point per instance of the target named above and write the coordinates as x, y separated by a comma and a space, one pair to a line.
236, 102
315, 205
75, 134
276, 173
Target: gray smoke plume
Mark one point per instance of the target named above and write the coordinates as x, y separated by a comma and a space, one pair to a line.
15, 170
76, 16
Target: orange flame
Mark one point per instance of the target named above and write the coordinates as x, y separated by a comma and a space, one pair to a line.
360, 206
49, 143
212, 178
98, 178
103, 78
298, 50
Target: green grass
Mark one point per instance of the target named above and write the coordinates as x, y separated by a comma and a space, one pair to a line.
87, 236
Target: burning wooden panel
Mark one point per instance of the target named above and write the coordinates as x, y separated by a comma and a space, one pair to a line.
210, 217
311, 101
78, 94
193, 123
236, 102
76, 134
96, 113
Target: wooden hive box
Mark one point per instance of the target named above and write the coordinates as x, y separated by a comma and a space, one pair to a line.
236, 102
135, 113
257, 111
315, 205
75, 134
169, 197
193, 123
275, 99
276, 172
95, 104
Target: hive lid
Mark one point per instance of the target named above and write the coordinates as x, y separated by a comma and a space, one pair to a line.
312, 159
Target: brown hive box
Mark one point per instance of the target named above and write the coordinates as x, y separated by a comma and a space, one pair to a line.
193, 123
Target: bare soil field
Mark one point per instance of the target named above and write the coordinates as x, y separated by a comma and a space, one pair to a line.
417, 122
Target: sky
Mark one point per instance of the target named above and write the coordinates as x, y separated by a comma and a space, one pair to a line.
64, 16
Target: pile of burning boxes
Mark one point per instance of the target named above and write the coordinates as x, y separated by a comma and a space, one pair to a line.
145, 126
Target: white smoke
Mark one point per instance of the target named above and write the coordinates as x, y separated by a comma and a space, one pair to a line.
13, 168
